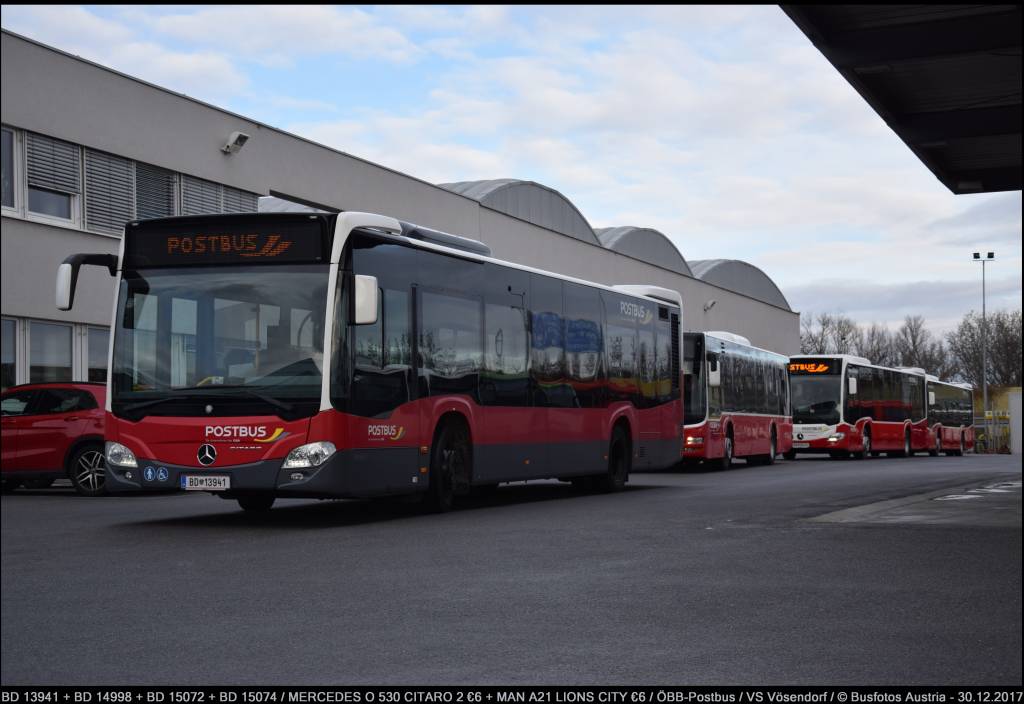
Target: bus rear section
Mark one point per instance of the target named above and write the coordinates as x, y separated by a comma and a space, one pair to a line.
845, 406
736, 401
950, 417
352, 356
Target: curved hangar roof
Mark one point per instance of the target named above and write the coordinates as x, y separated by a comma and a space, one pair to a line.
741, 277
528, 201
549, 209
645, 244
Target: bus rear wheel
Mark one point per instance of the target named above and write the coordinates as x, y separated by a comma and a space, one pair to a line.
619, 462
865, 445
937, 450
790, 455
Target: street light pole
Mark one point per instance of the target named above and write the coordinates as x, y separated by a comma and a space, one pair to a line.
984, 352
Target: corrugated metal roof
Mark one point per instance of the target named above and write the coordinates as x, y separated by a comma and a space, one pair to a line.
528, 201
739, 276
646, 244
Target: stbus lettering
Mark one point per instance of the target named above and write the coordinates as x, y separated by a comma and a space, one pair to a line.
632, 310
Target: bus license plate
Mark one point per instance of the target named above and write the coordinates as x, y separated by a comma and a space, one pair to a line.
801, 445
192, 482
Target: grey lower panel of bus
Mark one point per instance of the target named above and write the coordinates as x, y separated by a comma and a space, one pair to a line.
366, 473
509, 463
347, 474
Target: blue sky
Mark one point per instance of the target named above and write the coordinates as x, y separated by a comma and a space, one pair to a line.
721, 126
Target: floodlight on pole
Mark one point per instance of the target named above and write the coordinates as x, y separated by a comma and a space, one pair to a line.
984, 350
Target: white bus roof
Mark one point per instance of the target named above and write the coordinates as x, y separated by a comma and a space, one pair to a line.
655, 294
735, 339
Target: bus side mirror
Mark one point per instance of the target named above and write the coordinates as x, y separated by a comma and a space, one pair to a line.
852, 386
714, 373
367, 297
931, 398
67, 275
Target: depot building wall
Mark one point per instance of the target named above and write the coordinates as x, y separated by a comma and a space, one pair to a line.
51, 93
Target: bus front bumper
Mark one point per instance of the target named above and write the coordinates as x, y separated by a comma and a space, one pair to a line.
346, 474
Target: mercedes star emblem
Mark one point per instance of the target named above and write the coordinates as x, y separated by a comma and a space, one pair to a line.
207, 454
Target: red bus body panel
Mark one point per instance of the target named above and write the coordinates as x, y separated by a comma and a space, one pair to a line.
751, 436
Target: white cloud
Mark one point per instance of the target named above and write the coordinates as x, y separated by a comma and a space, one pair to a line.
275, 34
205, 74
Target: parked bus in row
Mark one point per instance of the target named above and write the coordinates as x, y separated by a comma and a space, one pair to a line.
950, 417
353, 355
845, 405
735, 400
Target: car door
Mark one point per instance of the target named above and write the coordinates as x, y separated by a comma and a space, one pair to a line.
15, 406
57, 417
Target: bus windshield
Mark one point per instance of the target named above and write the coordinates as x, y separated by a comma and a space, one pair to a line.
249, 334
815, 398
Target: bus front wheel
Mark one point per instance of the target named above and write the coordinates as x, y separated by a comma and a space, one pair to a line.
256, 503
449, 463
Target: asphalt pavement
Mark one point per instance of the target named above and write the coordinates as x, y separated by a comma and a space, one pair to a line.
813, 571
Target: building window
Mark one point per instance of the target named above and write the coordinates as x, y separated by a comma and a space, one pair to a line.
49, 352
199, 197
99, 342
53, 177
155, 191
108, 192
8, 368
8, 168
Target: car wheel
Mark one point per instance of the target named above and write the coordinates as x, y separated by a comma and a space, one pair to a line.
256, 503
88, 471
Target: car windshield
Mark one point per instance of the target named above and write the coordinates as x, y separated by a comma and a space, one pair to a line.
233, 332
815, 399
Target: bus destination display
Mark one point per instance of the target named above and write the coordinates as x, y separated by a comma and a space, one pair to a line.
216, 241
815, 366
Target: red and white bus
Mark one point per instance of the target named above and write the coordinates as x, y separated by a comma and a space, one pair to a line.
353, 355
845, 405
950, 417
736, 400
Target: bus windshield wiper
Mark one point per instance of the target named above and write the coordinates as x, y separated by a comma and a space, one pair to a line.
235, 390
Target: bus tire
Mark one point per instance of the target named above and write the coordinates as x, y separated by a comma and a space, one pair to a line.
773, 449
790, 455
255, 503
725, 461
865, 445
450, 457
959, 452
620, 457
937, 450
87, 470
7, 485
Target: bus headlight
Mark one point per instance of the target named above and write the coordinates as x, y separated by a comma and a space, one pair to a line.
312, 455
836, 437
119, 456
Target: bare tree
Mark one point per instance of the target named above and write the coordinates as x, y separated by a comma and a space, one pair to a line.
1004, 348
844, 335
813, 339
876, 344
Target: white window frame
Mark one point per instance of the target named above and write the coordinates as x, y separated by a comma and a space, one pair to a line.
82, 338
75, 347
77, 221
18, 176
19, 349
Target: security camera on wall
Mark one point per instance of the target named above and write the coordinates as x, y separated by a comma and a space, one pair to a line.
235, 142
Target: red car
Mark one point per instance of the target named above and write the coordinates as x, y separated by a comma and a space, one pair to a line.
51, 431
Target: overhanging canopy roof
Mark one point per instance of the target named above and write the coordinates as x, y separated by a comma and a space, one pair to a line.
945, 78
